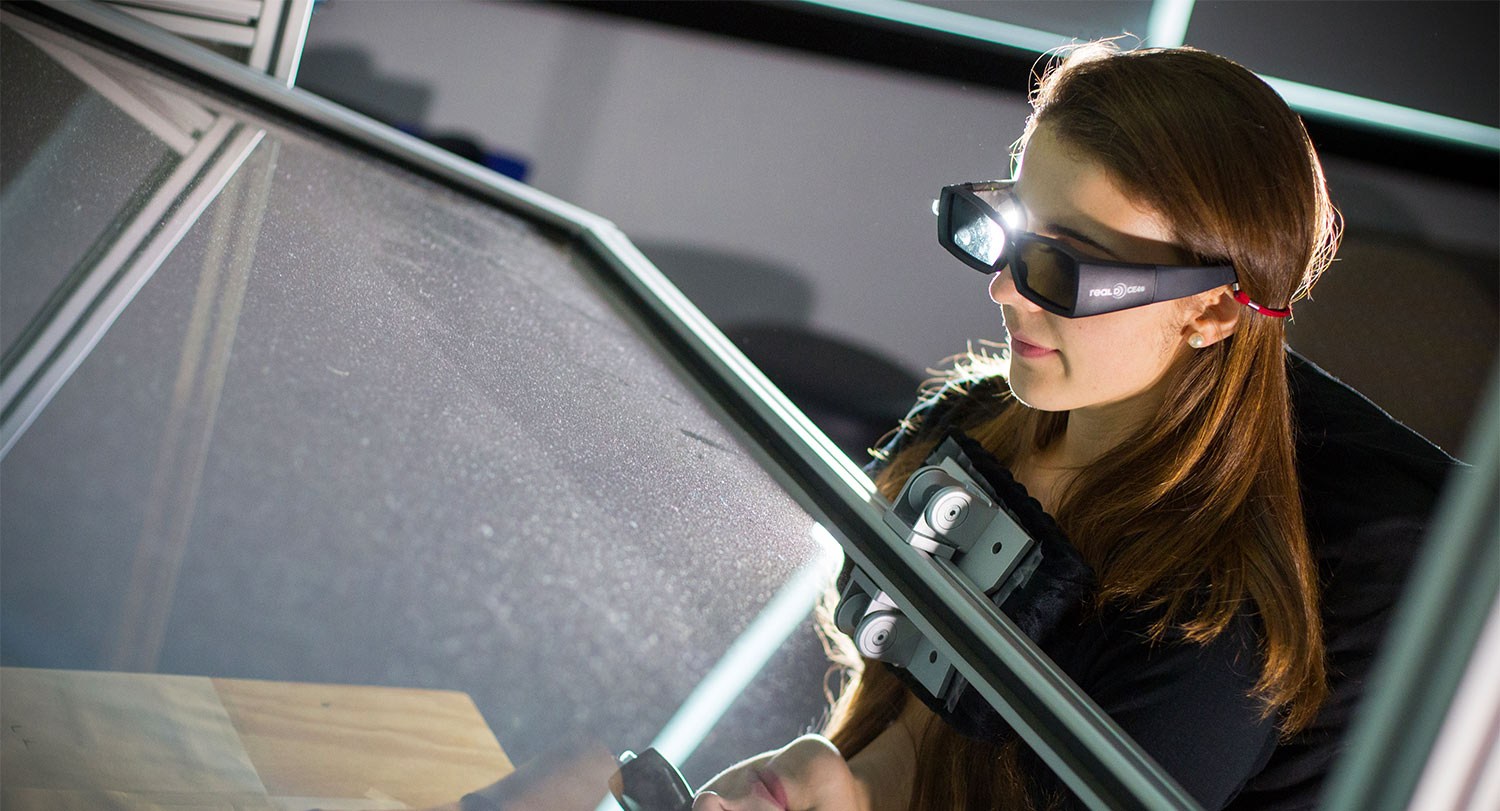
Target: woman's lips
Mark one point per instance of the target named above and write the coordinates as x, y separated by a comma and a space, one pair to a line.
1020, 346
768, 786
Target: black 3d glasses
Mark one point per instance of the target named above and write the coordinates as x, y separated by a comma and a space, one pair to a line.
972, 226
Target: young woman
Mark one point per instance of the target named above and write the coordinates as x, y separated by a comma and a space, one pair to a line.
1155, 422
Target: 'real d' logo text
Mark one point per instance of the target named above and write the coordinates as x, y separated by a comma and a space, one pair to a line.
1118, 291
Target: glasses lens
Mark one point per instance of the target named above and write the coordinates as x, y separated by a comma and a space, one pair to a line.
974, 232
1048, 273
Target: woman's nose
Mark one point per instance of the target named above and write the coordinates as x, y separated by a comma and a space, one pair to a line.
1003, 291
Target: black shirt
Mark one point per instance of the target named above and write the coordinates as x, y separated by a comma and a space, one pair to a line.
1369, 485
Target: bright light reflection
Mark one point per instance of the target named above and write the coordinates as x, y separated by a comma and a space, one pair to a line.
1384, 115
749, 653
1167, 26
1015, 218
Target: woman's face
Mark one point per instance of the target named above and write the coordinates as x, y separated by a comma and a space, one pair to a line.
807, 774
1117, 359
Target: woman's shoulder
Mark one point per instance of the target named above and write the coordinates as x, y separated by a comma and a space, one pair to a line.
1342, 435
1369, 485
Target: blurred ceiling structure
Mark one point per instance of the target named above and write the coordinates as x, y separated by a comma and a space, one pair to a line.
1372, 79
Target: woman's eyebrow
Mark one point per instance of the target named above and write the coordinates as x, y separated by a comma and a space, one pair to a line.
1084, 238
1069, 232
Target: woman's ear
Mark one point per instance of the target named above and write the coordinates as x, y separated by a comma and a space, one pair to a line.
1214, 316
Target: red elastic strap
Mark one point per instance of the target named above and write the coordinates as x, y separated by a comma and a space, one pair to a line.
1239, 295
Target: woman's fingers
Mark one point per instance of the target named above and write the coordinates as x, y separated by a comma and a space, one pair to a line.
807, 774
813, 775
709, 801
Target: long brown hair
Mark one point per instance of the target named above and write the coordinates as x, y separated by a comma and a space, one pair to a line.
1199, 513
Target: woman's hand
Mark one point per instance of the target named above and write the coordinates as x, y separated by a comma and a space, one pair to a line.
807, 774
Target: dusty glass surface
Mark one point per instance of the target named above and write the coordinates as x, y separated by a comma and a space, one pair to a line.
76, 162
361, 428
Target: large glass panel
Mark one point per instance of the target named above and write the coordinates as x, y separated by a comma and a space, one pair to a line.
356, 426
360, 428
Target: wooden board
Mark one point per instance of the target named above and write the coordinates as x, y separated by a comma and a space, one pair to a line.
87, 739
317, 740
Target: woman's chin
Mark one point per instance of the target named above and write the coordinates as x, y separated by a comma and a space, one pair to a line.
1035, 394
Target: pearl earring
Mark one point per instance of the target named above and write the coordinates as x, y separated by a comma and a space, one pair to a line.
1195, 341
